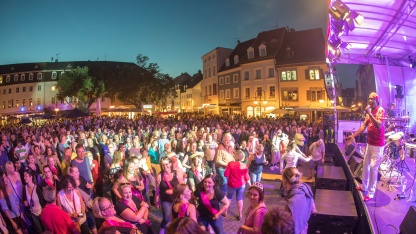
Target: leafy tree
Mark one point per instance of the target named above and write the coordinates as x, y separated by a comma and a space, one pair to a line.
80, 84
144, 83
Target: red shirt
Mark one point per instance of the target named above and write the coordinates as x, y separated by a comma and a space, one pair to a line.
56, 220
236, 176
375, 135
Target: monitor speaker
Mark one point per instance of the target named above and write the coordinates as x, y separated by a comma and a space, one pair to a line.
409, 225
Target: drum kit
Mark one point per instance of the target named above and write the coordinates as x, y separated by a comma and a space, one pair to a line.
399, 145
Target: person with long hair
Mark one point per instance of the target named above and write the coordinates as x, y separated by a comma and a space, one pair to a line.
255, 164
256, 210
166, 180
209, 198
278, 221
133, 209
184, 225
104, 210
85, 190
198, 171
237, 174
135, 180
33, 199
9, 202
70, 200
49, 153
49, 179
298, 198
181, 206
56, 169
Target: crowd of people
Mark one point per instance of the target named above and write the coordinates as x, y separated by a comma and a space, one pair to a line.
105, 174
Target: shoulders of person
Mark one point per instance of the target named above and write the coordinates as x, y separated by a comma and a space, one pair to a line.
218, 194
136, 201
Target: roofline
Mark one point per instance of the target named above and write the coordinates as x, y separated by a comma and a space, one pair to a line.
216, 49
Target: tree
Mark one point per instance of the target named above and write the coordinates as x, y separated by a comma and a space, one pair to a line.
144, 83
78, 83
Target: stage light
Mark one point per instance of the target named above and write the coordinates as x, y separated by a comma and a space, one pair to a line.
357, 17
339, 10
345, 45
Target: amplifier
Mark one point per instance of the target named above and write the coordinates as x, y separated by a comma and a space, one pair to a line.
336, 212
330, 177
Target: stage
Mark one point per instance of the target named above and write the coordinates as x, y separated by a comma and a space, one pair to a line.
386, 211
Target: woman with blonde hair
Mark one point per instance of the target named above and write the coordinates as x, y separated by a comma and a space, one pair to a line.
237, 173
104, 211
181, 206
299, 199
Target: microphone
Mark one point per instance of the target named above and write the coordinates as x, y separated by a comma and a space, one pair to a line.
366, 108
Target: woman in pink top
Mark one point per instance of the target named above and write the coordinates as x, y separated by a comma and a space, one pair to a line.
256, 210
237, 173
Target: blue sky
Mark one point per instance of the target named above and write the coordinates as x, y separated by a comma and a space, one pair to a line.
173, 33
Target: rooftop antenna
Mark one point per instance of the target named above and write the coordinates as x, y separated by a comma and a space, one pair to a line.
57, 57
276, 26
238, 40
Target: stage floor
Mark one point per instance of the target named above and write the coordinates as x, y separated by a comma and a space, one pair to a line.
387, 210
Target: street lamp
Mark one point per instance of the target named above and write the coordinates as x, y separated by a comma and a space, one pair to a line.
259, 98
56, 112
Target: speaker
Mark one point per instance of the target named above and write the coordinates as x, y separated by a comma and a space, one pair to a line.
356, 166
330, 177
409, 225
336, 212
329, 85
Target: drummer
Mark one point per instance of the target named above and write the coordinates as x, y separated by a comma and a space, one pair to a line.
390, 111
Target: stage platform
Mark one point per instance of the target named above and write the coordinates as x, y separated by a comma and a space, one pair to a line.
386, 211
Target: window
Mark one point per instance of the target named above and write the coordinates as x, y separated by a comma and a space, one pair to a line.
16, 78
272, 91
10, 91
22, 77
39, 76
1, 79
313, 74
221, 80
289, 75
9, 104
247, 92
227, 62
235, 78
289, 52
262, 50
69, 99
246, 75
17, 103
205, 73
4, 105
236, 59
213, 56
250, 53
30, 88
7, 79
30, 76
38, 101
30, 102
209, 72
315, 94
221, 94
23, 89
39, 87
290, 94
17, 90
227, 79
206, 90
4, 91
271, 72
210, 90
236, 92
54, 75
53, 101
214, 89
227, 94
258, 74
213, 71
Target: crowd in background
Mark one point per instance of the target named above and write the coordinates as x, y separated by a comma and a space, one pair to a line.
102, 174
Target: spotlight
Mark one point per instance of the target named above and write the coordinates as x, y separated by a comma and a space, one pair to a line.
399, 91
339, 10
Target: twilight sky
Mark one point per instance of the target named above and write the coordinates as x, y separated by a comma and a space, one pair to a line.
173, 33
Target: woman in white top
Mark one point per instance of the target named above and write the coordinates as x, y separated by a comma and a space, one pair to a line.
292, 156
70, 200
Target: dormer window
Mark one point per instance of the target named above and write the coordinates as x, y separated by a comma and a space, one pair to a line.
16, 78
262, 50
54, 75
22, 77
289, 52
39, 76
250, 53
236, 60
227, 62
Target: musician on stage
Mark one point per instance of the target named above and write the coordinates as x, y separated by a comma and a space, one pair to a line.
375, 145
390, 112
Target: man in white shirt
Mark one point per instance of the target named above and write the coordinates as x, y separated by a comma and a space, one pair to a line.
317, 150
